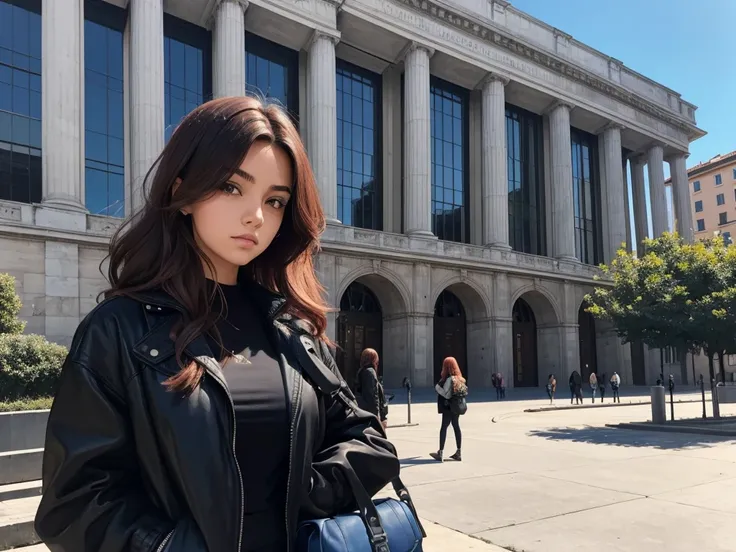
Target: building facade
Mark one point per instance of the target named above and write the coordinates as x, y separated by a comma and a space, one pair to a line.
471, 161
713, 197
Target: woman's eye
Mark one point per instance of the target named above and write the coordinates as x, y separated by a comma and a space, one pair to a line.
277, 203
230, 189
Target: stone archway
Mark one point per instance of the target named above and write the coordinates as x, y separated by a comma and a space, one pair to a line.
462, 329
536, 335
373, 314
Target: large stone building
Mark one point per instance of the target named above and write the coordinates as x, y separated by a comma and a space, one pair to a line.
472, 161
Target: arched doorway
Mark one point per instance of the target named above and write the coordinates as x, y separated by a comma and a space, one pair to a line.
588, 351
524, 327
359, 325
449, 332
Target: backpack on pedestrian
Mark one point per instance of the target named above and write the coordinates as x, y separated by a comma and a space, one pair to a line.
458, 404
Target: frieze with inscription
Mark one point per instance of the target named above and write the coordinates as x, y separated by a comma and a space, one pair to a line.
460, 22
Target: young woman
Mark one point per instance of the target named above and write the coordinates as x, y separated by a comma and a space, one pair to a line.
369, 390
184, 420
451, 383
551, 388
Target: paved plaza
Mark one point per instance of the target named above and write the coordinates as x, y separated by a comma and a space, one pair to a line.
562, 482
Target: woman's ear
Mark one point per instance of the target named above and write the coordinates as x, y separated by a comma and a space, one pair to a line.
184, 210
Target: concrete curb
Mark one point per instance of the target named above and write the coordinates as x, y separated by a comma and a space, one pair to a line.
675, 428
599, 405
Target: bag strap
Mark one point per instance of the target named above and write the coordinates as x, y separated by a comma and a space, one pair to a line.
329, 383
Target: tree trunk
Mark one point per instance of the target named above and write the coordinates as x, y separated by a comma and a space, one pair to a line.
710, 366
721, 357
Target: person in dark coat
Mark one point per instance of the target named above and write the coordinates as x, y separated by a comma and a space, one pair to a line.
369, 391
576, 387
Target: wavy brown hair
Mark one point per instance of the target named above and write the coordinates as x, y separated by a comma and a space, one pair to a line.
156, 248
369, 357
450, 367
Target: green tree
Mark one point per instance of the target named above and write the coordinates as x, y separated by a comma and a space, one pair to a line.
10, 306
676, 295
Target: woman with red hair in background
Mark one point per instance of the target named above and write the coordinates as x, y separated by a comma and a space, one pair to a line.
450, 387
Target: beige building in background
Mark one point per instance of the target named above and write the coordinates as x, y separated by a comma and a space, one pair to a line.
713, 196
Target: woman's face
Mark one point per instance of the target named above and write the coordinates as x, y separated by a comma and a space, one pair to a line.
240, 221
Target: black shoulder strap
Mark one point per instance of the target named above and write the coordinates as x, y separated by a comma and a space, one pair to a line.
328, 382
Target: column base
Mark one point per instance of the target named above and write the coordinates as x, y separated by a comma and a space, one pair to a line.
64, 203
567, 258
421, 234
499, 245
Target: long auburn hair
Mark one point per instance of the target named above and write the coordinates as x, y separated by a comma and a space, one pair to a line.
450, 367
369, 357
156, 248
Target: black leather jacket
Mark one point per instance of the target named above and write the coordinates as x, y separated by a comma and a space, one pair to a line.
131, 467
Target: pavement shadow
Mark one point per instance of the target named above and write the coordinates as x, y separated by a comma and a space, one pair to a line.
416, 461
629, 438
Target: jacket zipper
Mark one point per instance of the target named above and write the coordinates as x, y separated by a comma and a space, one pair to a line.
237, 466
164, 542
291, 451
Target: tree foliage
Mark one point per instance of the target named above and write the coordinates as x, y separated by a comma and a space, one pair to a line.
10, 306
676, 295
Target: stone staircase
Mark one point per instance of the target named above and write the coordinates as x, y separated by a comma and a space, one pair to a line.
21, 454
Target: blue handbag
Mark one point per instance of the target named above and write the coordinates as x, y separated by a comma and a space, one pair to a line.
384, 525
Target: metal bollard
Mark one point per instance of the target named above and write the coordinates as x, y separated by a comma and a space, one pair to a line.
407, 384
672, 401
659, 405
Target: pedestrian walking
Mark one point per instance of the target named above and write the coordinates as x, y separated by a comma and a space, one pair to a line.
496, 386
593, 380
501, 384
451, 393
368, 390
551, 388
615, 384
602, 386
576, 387
185, 418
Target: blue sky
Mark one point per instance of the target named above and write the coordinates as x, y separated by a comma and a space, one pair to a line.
689, 46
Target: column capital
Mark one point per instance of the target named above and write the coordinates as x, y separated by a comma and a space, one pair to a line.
672, 157
412, 46
557, 104
318, 34
655, 144
210, 16
491, 78
611, 125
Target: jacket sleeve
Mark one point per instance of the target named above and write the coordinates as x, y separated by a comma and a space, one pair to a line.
369, 391
354, 440
93, 495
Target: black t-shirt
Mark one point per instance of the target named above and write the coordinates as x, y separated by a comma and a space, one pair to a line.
262, 419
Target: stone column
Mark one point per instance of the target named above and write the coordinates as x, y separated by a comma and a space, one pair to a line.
418, 145
657, 195
146, 92
62, 76
641, 220
228, 49
495, 177
563, 210
614, 179
627, 206
681, 195
322, 101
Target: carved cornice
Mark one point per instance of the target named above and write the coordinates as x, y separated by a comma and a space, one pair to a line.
469, 26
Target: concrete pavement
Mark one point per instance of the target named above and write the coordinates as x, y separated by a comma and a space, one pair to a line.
562, 482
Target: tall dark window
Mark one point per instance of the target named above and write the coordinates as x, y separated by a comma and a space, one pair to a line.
586, 196
272, 70
103, 109
20, 100
449, 123
358, 147
526, 189
187, 70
